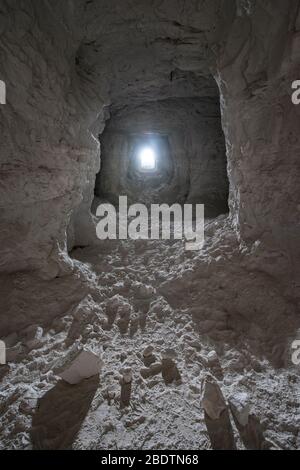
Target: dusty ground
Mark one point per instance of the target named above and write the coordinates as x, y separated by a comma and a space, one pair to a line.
119, 299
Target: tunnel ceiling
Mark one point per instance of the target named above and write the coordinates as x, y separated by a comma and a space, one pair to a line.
163, 54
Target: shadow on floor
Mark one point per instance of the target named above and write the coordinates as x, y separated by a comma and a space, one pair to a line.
60, 413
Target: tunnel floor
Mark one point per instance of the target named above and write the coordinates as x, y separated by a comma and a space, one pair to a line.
128, 299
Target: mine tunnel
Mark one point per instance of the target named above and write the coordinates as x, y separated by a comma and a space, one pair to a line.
126, 342
182, 145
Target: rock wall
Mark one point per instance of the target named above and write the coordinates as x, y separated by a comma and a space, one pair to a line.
48, 154
258, 64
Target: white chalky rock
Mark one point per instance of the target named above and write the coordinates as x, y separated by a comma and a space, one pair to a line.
240, 408
212, 357
83, 365
212, 400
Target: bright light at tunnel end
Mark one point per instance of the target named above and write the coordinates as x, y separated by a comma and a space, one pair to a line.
147, 159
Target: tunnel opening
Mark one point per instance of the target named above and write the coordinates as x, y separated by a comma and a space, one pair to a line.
167, 151
147, 159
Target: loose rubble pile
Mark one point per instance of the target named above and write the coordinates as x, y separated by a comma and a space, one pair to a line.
123, 368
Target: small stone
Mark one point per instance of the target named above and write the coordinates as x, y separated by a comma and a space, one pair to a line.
149, 360
82, 365
123, 356
148, 351
148, 356
135, 422
145, 372
155, 368
195, 389
126, 387
212, 357
169, 353
212, 400
170, 371
126, 375
27, 406
240, 407
109, 393
21, 424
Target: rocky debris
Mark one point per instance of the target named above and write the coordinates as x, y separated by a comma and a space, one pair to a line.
123, 319
4, 369
135, 421
170, 372
195, 344
216, 416
143, 291
248, 425
85, 315
126, 387
160, 309
153, 369
251, 433
145, 372
240, 408
79, 365
28, 405
148, 351
33, 337
119, 309
148, 356
109, 394
212, 358
212, 400
214, 364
